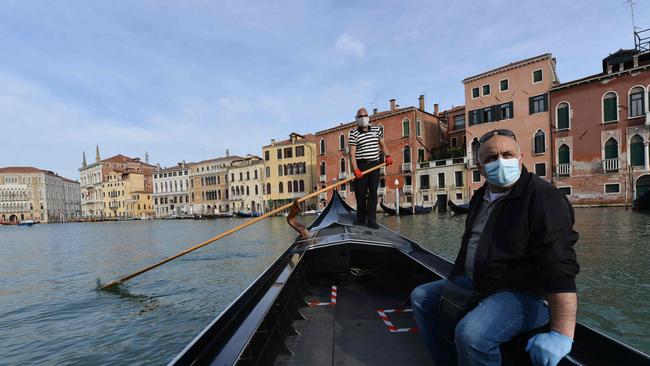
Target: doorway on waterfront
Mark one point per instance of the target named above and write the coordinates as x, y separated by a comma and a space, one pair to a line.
642, 185
441, 204
13, 218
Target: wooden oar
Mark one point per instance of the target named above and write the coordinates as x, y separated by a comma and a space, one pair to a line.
235, 229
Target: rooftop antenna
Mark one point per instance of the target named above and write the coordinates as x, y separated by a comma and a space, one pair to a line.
631, 3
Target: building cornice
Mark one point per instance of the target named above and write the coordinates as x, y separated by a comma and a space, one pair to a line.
508, 67
598, 77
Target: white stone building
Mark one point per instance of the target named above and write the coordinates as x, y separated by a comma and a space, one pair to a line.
171, 191
441, 181
246, 184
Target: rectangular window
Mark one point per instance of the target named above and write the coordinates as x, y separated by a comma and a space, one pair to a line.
458, 177
288, 152
476, 176
454, 142
563, 117
475, 117
612, 188
459, 196
267, 155
279, 152
486, 89
441, 180
300, 151
565, 190
538, 103
503, 85
610, 112
636, 104
540, 169
424, 181
459, 122
505, 111
488, 115
475, 93
537, 76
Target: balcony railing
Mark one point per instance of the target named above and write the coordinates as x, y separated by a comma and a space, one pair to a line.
406, 167
610, 165
563, 169
408, 189
322, 178
342, 175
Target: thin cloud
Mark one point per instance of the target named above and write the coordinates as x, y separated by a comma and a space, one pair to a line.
348, 46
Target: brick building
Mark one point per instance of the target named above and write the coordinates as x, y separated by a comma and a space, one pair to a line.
514, 96
601, 129
411, 134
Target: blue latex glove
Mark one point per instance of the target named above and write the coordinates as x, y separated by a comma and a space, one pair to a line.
547, 349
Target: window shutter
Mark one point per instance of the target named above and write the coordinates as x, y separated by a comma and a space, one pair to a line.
563, 118
479, 116
495, 113
530, 105
609, 106
545, 102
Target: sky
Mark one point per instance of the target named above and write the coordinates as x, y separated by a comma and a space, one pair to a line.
189, 79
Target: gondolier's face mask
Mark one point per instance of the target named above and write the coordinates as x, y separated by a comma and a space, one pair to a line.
362, 118
500, 160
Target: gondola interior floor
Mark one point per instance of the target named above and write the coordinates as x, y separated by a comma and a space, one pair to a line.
351, 332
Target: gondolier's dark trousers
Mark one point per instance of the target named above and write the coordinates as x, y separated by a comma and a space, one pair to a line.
365, 190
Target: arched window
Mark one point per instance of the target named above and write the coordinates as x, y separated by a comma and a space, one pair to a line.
610, 107
563, 154
540, 142
302, 185
418, 128
322, 168
407, 154
322, 146
636, 106
257, 191
248, 192
406, 128
286, 169
342, 142
342, 165
295, 186
420, 155
475, 146
268, 171
289, 187
611, 148
280, 171
562, 116
268, 188
280, 188
637, 156
290, 169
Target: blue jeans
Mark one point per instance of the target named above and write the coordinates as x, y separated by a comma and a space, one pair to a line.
497, 319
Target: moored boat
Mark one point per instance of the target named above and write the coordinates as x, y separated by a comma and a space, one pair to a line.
246, 214
405, 211
26, 223
458, 209
341, 297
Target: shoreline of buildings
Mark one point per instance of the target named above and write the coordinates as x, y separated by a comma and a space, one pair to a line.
589, 137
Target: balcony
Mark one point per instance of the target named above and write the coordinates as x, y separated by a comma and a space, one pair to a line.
406, 167
610, 165
563, 170
342, 175
322, 196
408, 189
322, 179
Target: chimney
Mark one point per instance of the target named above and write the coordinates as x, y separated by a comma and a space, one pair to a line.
609, 69
421, 99
227, 153
374, 111
635, 60
272, 142
621, 67
435, 109
83, 160
392, 105
97, 159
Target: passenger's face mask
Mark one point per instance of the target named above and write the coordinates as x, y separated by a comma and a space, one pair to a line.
502, 172
363, 121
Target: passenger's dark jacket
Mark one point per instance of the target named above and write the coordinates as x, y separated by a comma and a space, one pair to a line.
527, 242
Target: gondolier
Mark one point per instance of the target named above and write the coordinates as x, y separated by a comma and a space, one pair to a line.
366, 143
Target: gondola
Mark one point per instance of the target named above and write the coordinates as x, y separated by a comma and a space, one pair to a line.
340, 297
459, 209
246, 214
405, 211
642, 203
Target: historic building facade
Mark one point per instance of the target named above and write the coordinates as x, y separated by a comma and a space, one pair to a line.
209, 185
28, 193
246, 184
412, 135
93, 177
171, 191
601, 130
515, 97
289, 170
125, 196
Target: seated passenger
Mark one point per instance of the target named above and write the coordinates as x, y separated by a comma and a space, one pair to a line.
516, 267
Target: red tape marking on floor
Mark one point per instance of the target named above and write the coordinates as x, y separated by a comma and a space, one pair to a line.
389, 324
332, 299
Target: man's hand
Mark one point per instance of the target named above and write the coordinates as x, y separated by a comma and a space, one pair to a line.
389, 160
358, 173
547, 349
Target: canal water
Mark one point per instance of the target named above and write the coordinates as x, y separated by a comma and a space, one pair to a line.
51, 312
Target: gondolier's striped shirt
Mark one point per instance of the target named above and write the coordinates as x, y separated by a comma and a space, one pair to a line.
367, 142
